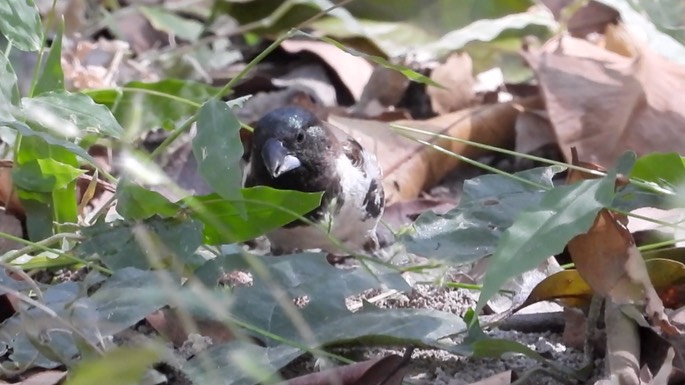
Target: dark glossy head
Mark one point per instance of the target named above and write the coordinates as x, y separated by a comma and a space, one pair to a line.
292, 140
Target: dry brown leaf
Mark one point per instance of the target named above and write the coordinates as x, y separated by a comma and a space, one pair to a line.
177, 328
608, 260
503, 378
593, 17
388, 370
604, 104
45, 377
353, 71
533, 128
455, 75
410, 167
384, 89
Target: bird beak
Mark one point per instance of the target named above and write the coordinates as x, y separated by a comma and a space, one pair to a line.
276, 158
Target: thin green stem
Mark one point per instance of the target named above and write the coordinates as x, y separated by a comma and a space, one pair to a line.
9, 257
39, 61
38, 246
162, 95
8, 49
178, 131
659, 245
642, 184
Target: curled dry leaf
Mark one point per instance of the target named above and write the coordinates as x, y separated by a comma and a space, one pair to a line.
388, 370
410, 167
608, 260
353, 71
455, 75
604, 103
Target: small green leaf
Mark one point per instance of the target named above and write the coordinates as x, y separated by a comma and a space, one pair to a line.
71, 115
52, 77
44, 175
665, 169
266, 210
119, 245
20, 23
169, 22
218, 150
122, 365
544, 230
9, 90
136, 202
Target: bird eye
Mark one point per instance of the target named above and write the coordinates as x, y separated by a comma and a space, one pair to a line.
300, 137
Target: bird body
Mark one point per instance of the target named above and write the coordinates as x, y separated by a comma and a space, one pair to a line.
292, 149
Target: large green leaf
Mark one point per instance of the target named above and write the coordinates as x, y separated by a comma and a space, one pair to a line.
544, 230
489, 205
218, 150
20, 23
266, 209
52, 77
9, 90
145, 106
71, 115
149, 243
130, 295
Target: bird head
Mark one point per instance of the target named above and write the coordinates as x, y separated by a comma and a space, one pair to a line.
289, 139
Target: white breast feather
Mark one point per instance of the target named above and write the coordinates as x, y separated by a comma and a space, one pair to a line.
350, 226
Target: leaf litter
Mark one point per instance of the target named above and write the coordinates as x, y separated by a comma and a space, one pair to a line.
361, 99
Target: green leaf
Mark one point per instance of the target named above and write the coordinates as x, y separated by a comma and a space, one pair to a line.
71, 115
130, 295
20, 23
238, 362
136, 202
39, 215
544, 230
218, 150
9, 90
145, 106
52, 77
519, 25
266, 209
121, 244
488, 206
44, 175
122, 365
664, 169
169, 22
